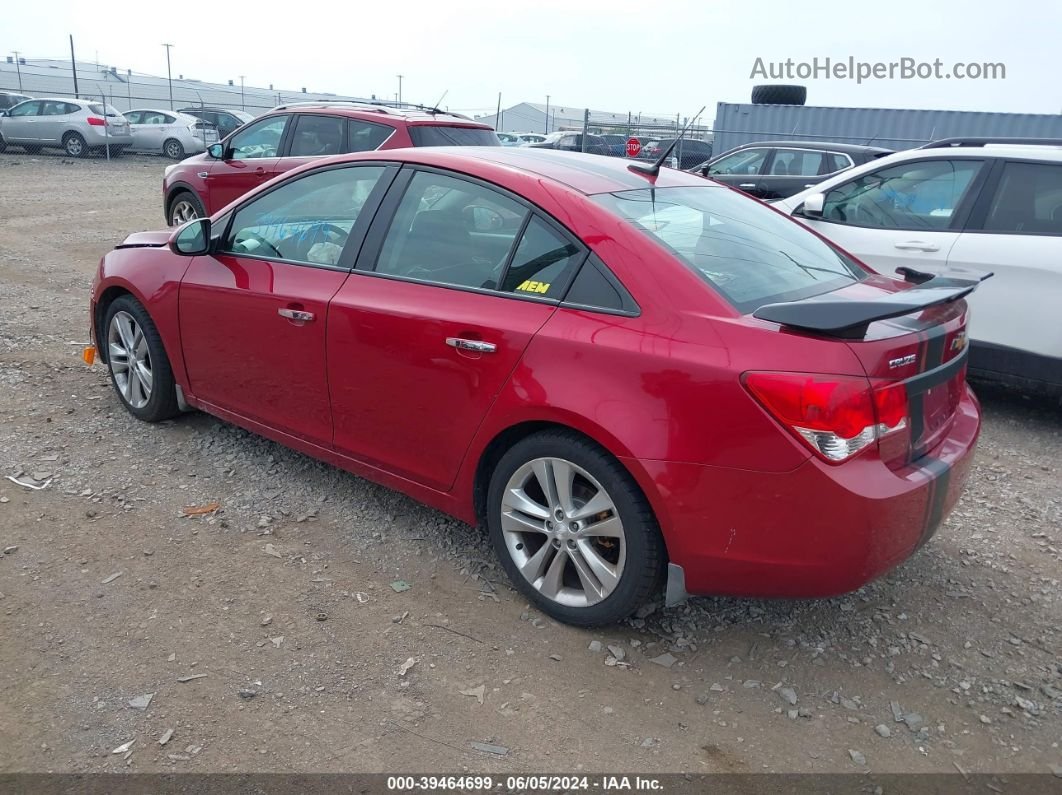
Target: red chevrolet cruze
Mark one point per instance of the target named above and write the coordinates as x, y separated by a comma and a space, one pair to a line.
625, 377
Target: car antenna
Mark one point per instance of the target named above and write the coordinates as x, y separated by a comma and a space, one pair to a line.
438, 103
654, 169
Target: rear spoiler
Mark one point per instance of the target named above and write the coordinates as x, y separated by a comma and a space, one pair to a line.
848, 319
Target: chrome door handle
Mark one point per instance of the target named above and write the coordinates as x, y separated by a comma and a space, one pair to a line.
471, 345
917, 245
296, 314
747, 185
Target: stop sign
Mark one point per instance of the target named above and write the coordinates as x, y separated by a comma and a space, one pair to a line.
634, 146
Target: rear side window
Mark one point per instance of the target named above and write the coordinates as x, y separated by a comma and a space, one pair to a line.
431, 135
836, 161
595, 287
796, 163
543, 262
316, 136
749, 254
1028, 200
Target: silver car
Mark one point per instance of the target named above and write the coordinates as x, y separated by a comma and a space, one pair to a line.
77, 126
176, 135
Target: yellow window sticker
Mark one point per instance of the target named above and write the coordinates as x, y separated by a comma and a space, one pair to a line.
534, 287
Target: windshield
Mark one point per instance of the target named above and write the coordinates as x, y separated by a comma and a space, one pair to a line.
431, 135
751, 255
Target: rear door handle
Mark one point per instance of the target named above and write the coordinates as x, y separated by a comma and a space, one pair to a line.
747, 185
478, 346
296, 314
917, 245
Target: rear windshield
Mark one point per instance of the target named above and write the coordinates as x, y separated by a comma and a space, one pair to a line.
429, 135
97, 108
748, 253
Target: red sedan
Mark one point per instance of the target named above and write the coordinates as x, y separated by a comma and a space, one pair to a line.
625, 377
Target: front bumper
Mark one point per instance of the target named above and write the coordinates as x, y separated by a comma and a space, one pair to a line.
816, 531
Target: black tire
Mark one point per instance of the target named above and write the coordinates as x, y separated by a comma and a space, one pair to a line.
182, 199
116, 151
3, 145
779, 95
645, 555
162, 402
173, 149
74, 145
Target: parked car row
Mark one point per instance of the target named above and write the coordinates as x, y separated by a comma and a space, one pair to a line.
82, 127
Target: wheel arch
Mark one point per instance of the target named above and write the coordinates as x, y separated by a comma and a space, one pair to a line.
175, 190
107, 297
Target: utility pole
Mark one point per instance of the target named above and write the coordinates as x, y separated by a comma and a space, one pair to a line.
18, 69
169, 73
586, 127
497, 115
547, 114
400, 89
73, 64
243, 105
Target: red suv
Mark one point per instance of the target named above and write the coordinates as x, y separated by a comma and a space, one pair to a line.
291, 135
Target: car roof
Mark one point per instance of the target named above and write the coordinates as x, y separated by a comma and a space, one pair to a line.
167, 111
831, 146
585, 173
992, 151
367, 110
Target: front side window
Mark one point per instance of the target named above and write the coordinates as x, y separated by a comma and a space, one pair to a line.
916, 196
1028, 200
318, 136
748, 161
796, 163
364, 136
451, 231
258, 140
749, 254
307, 220
26, 109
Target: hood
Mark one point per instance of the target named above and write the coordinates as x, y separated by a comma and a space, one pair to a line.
147, 239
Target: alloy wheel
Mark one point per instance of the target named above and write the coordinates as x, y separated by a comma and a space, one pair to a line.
130, 359
182, 211
563, 532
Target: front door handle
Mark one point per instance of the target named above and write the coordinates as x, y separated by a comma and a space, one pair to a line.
296, 315
747, 185
917, 245
477, 346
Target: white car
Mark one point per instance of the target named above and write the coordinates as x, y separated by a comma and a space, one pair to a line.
175, 135
983, 205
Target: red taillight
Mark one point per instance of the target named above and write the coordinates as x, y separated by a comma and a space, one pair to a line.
96, 121
836, 416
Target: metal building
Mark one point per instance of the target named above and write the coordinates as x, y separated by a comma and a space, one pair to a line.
737, 124
532, 117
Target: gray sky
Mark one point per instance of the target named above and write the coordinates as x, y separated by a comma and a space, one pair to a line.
617, 55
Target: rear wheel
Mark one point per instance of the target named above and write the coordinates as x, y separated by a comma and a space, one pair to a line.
184, 207
572, 530
140, 371
3, 145
74, 145
173, 149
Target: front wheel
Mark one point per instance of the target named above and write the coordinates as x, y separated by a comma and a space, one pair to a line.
572, 530
185, 207
140, 370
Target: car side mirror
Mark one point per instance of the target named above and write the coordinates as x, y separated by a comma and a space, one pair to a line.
812, 206
192, 239
216, 151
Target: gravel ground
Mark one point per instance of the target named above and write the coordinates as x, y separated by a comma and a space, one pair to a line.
269, 635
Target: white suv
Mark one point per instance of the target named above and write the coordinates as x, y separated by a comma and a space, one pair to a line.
980, 204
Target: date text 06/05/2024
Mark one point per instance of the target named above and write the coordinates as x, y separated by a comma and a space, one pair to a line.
524, 783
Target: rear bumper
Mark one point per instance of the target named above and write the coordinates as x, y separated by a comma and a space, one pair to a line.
818, 530
94, 136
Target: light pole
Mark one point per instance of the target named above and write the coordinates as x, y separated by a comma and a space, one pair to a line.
400, 89
169, 73
242, 104
547, 114
18, 69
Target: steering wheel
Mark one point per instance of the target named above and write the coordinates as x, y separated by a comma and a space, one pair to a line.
259, 239
322, 232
